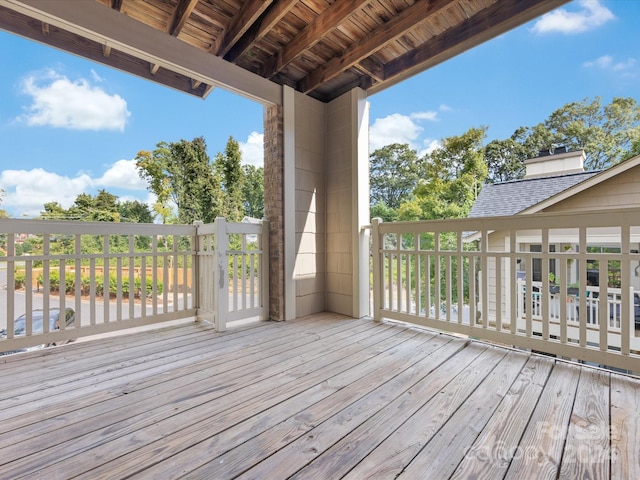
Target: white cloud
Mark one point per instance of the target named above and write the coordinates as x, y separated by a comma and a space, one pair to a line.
28, 190
628, 65
400, 128
433, 116
77, 105
591, 14
96, 77
253, 149
604, 61
394, 128
429, 145
122, 174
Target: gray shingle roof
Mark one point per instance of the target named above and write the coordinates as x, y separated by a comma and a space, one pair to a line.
510, 198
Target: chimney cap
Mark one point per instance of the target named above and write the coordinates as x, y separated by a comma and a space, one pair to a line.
552, 151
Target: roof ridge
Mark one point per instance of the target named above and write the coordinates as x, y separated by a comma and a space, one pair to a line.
521, 180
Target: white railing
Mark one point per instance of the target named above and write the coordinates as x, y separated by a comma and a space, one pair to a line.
142, 274
571, 304
233, 278
470, 276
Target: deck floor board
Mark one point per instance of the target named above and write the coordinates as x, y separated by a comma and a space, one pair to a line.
321, 397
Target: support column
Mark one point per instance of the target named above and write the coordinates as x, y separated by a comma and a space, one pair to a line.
274, 206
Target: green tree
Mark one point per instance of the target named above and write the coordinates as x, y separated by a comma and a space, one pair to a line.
134, 211
454, 176
229, 165
605, 132
253, 191
380, 210
181, 174
53, 211
101, 208
394, 174
3, 213
505, 160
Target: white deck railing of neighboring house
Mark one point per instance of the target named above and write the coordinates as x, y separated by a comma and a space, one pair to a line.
571, 304
142, 274
470, 276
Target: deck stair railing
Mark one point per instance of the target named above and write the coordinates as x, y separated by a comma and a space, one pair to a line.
470, 276
115, 276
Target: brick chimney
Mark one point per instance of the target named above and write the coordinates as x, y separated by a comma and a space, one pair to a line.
552, 163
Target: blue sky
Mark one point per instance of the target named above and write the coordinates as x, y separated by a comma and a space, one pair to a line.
69, 126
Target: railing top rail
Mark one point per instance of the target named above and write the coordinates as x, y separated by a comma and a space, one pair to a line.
42, 227
549, 220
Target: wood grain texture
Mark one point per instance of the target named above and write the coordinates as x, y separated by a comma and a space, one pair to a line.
323, 47
320, 397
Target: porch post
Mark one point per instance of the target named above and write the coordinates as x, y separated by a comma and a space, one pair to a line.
221, 275
274, 205
377, 268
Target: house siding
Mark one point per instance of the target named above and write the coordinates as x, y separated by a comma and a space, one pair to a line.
618, 192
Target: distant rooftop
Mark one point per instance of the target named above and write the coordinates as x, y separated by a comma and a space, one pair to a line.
510, 198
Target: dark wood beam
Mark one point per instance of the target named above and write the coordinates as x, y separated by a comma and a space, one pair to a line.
260, 28
19, 24
410, 17
486, 24
180, 16
312, 34
246, 17
373, 68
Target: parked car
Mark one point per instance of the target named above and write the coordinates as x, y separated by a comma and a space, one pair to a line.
37, 322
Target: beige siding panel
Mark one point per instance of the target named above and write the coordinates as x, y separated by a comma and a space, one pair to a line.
620, 191
310, 198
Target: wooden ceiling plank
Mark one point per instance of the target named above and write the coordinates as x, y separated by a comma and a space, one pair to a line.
94, 22
374, 68
410, 17
22, 25
486, 24
312, 34
247, 16
180, 16
259, 29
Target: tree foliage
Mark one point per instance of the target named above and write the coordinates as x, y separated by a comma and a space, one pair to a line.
187, 182
394, 174
454, 176
605, 132
181, 174
104, 207
229, 165
253, 191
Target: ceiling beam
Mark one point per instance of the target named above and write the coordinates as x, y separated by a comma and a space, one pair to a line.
140, 44
180, 16
485, 25
312, 34
24, 26
246, 17
378, 38
260, 28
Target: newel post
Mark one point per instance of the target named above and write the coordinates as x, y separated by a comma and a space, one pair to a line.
198, 269
221, 274
264, 270
377, 268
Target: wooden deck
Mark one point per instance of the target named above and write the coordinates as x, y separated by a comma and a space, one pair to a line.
320, 397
